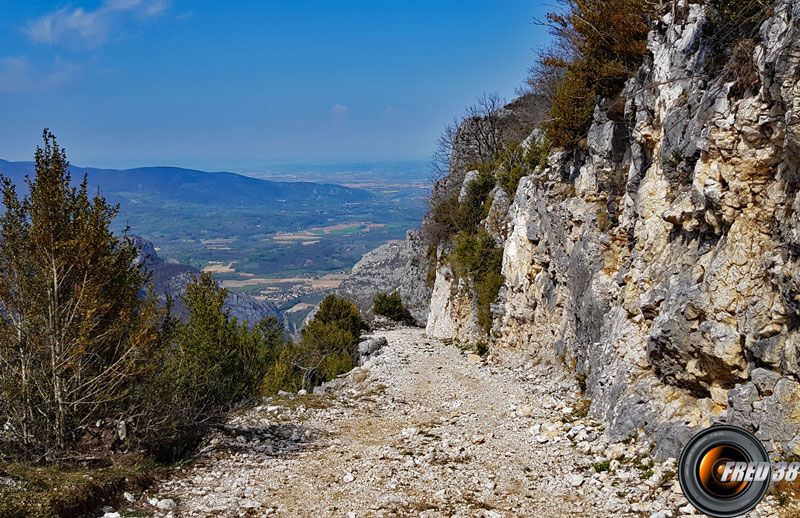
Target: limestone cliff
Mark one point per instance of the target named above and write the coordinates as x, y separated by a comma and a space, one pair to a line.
397, 266
660, 261
667, 278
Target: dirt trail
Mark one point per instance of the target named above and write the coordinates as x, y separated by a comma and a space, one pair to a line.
422, 429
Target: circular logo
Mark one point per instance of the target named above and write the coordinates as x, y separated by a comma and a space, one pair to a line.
724, 471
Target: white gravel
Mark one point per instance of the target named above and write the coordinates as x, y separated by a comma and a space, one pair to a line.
420, 430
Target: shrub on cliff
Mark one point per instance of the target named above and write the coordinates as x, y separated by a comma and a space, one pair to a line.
738, 18
474, 138
601, 43
391, 307
734, 34
449, 216
478, 260
515, 162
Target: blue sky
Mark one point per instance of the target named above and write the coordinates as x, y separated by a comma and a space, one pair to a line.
241, 84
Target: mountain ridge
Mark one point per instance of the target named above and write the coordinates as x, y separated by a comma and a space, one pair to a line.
204, 186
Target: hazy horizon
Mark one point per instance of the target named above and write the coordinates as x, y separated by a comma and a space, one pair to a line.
291, 171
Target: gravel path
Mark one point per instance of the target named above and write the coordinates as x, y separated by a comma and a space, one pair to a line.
423, 429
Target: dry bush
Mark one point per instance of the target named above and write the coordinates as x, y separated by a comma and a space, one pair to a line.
741, 67
601, 43
476, 137
733, 33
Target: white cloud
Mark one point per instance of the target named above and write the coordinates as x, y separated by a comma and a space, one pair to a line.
76, 27
339, 109
184, 15
17, 74
122, 5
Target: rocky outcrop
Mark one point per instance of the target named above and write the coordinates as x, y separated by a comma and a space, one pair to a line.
369, 345
660, 263
452, 311
397, 266
667, 277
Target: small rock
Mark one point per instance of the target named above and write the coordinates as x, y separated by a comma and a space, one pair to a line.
473, 359
167, 504
615, 452
575, 480
370, 344
129, 497
348, 478
719, 396
359, 375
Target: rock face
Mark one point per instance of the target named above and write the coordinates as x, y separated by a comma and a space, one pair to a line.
660, 264
400, 266
171, 278
670, 274
452, 313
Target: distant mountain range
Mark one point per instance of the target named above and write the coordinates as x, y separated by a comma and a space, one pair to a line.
171, 206
252, 229
174, 184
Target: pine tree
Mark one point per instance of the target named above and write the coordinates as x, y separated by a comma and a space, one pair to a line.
74, 330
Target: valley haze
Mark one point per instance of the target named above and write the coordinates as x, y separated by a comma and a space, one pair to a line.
263, 236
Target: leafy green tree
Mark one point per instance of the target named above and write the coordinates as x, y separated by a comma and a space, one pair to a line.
75, 335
